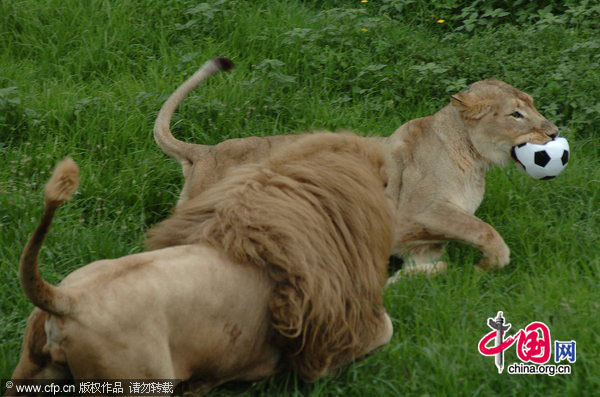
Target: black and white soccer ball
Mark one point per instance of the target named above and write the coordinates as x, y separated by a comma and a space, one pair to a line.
543, 161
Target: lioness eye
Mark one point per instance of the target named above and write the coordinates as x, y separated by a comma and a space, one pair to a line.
516, 115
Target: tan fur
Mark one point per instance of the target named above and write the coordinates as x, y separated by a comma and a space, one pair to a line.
63, 182
314, 208
444, 159
282, 264
436, 167
59, 188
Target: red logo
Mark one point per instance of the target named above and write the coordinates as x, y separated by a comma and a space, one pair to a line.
533, 343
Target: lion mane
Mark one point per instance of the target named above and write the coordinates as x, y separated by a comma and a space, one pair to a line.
315, 217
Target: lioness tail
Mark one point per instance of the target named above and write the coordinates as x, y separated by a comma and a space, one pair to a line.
173, 147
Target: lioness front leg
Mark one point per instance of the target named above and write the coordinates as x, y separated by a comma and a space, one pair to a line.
452, 223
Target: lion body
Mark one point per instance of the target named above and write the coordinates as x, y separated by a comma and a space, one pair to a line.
315, 216
281, 264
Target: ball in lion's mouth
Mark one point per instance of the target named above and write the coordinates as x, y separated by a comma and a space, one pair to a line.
543, 161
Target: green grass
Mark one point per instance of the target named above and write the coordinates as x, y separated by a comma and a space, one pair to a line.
87, 79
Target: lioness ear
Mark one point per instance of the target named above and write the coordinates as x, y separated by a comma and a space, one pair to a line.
469, 106
459, 100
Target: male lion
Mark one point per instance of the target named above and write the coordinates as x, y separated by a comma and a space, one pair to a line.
436, 165
281, 264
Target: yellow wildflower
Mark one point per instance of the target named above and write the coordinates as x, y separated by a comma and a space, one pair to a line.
363, 29
364, 1
441, 20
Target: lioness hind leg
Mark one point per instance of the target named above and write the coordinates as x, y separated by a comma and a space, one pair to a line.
426, 268
422, 260
423, 268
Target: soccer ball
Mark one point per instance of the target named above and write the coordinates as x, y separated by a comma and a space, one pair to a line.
543, 161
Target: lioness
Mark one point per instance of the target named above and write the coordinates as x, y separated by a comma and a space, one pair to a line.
436, 165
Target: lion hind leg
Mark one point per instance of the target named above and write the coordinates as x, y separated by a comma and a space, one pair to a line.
382, 338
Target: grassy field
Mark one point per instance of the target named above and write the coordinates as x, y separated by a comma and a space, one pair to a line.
86, 79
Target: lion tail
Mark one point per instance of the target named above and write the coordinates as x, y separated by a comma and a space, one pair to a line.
179, 150
58, 189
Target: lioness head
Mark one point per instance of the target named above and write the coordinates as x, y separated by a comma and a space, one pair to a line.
498, 117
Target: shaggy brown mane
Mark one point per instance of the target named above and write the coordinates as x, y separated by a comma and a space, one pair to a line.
314, 215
